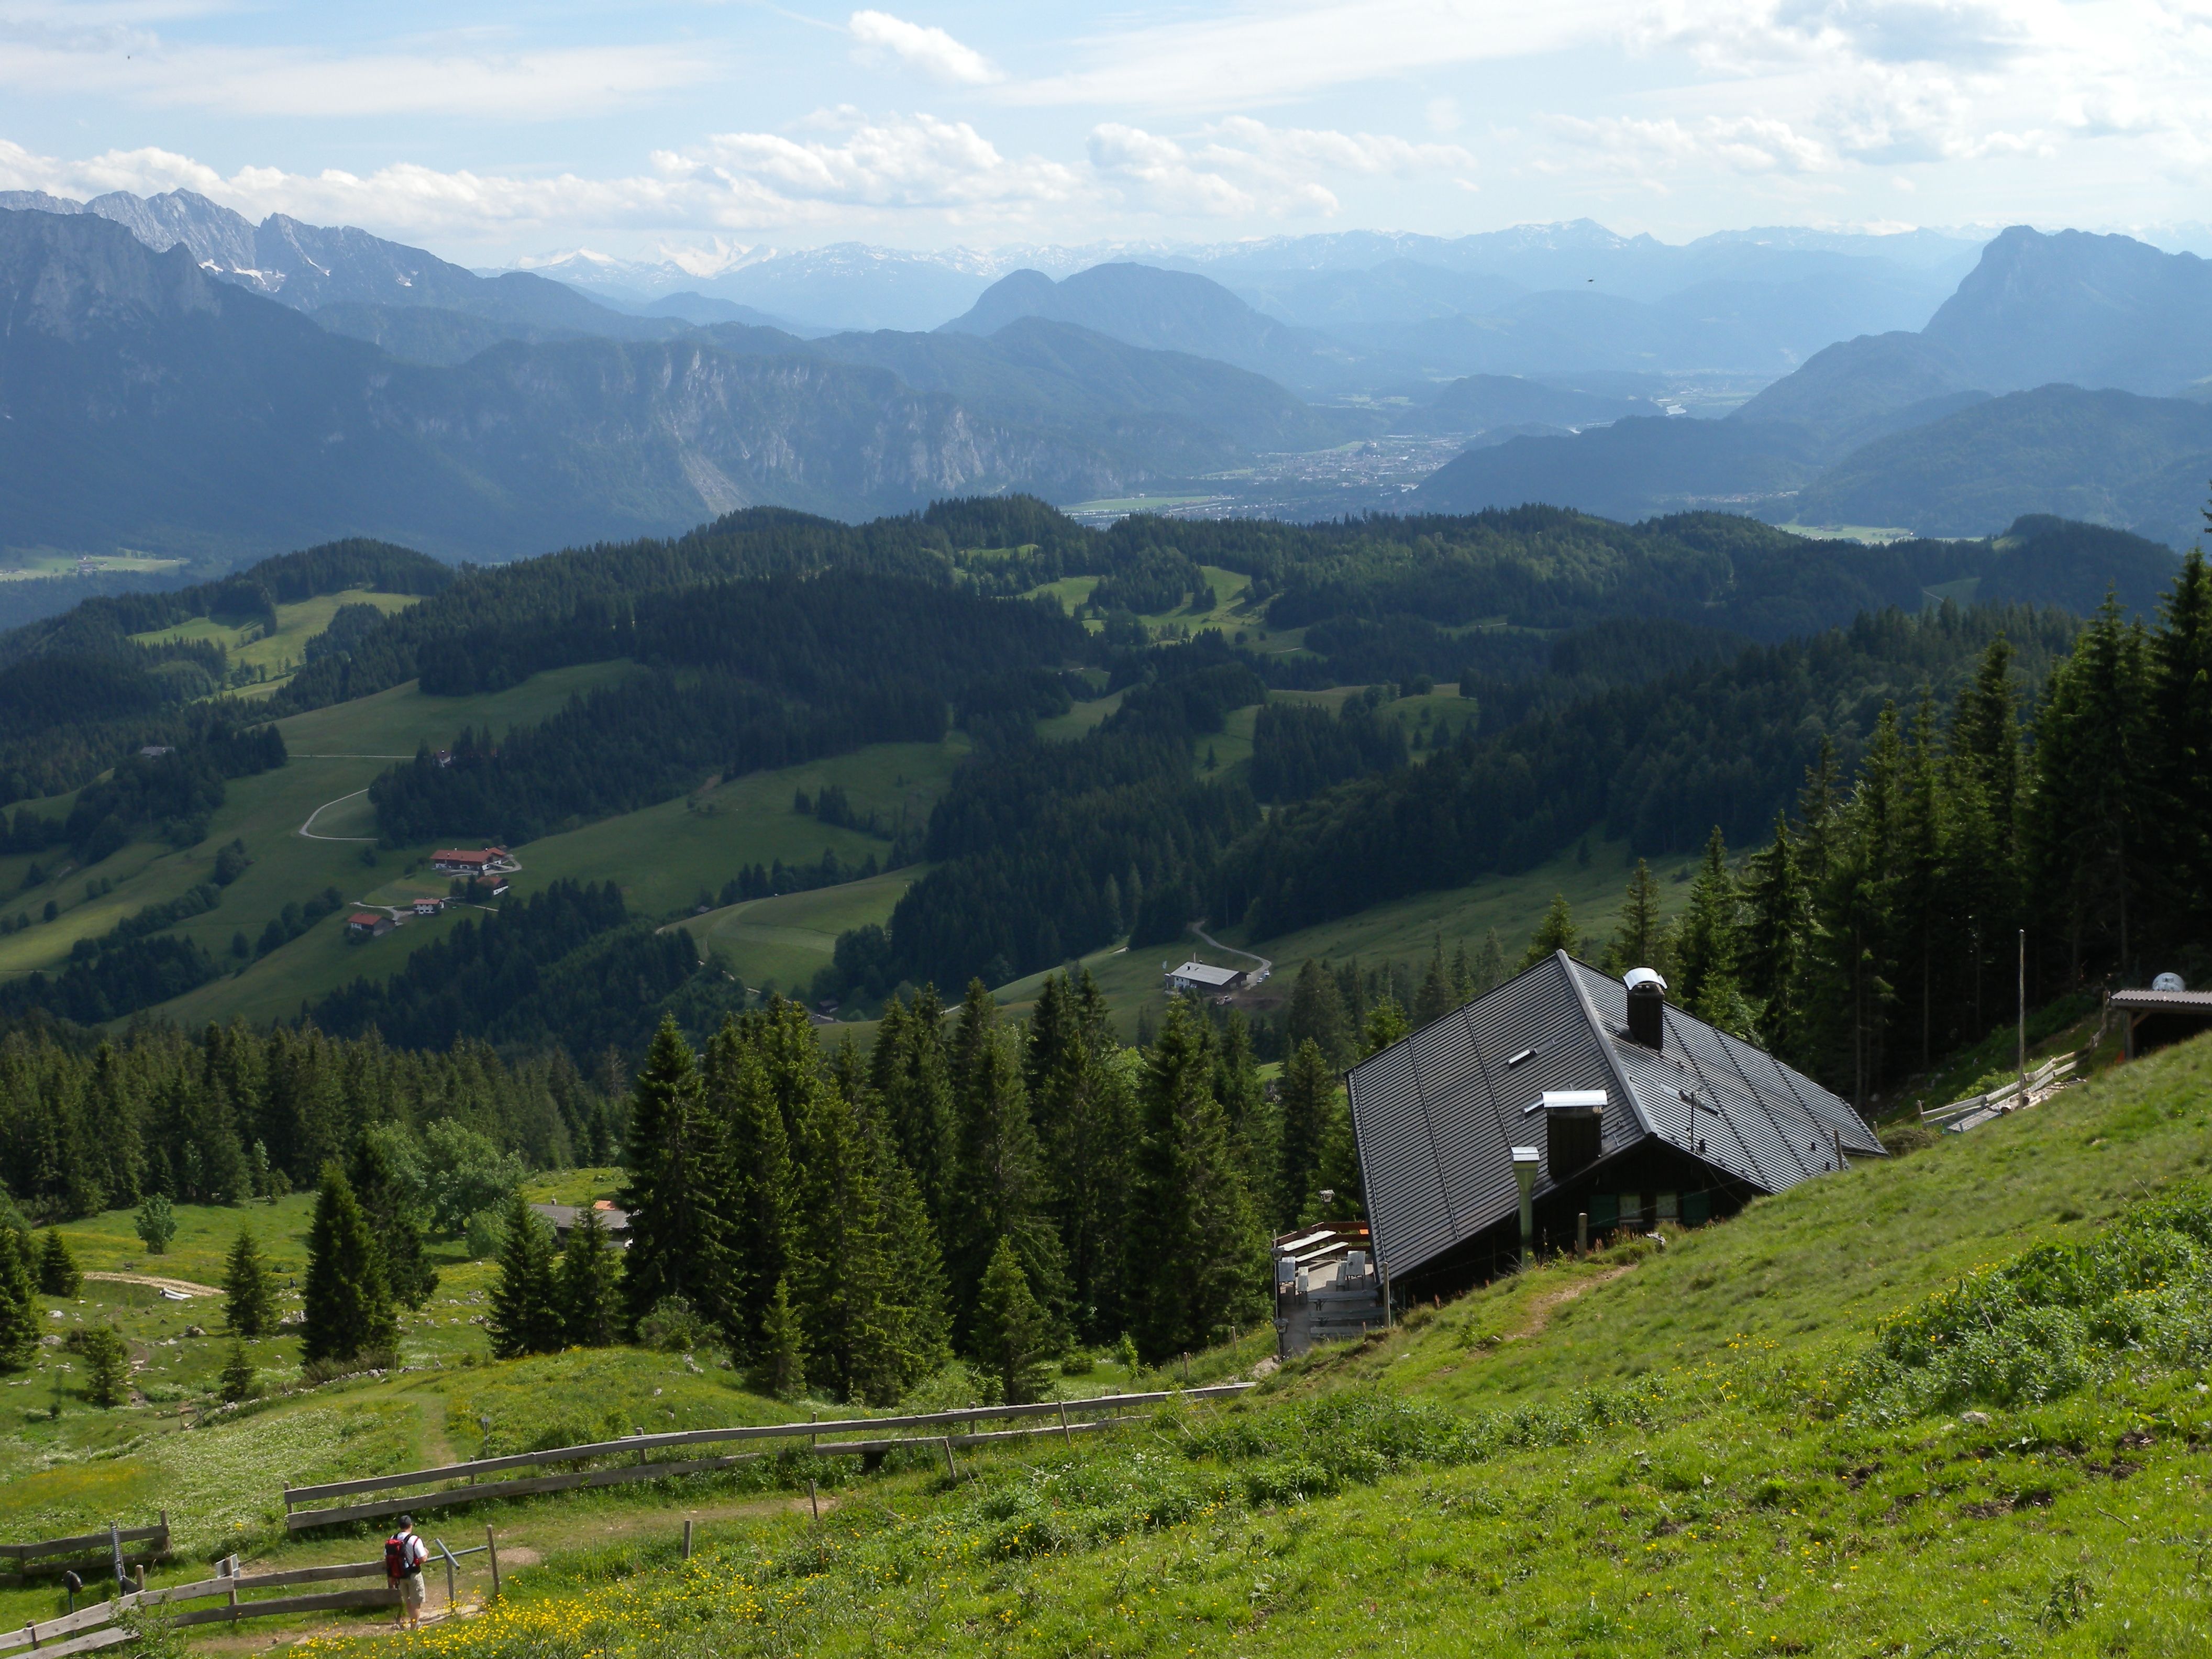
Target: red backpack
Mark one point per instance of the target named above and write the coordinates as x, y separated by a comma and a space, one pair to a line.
399, 1561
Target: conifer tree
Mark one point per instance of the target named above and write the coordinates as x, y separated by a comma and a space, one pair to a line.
1255, 1126
1198, 1258
1086, 1114
1777, 924
589, 1291
1013, 1334
1435, 999
676, 1193
1002, 1191
526, 1300
238, 1375
1317, 1013
1338, 1173
1489, 965
249, 1295
911, 1073
759, 1204
57, 1268
156, 1223
2180, 856
1386, 1024
349, 1306
781, 1366
107, 1364
19, 1311
1640, 941
1707, 939
1308, 1088
389, 1208
1555, 932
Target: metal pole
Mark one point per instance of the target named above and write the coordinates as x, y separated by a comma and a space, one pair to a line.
1581, 1234
115, 1548
450, 1564
1524, 1172
2023, 1015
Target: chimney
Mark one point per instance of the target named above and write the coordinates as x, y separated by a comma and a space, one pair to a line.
1647, 1007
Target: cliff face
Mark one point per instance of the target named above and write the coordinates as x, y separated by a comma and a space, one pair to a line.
144, 403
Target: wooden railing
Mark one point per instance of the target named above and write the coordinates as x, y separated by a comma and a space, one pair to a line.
874, 1443
97, 1626
1976, 1109
116, 1543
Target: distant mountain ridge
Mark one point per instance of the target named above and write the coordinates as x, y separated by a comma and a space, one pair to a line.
2072, 332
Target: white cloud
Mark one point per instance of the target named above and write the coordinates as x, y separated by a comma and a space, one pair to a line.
1240, 165
880, 37
916, 161
458, 76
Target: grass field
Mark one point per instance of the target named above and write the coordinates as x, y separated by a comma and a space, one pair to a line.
1655, 1452
784, 941
280, 651
28, 563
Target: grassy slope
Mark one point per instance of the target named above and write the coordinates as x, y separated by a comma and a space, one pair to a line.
1640, 1474
784, 941
1690, 1504
280, 651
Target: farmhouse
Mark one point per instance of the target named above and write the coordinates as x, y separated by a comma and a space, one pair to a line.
1619, 1107
1206, 981
458, 861
428, 907
368, 924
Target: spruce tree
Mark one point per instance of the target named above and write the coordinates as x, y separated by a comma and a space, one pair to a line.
1308, 1088
1197, 1257
526, 1305
1255, 1126
1087, 1113
156, 1223
249, 1295
1710, 935
1489, 965
1435, 999
2180, 858
1317, 1013
589, 1292
1002, 1191
19, 1309
1640, 941
779, 1367
391, 1212
349, 1306
911, 1072
759, 1211
1777, 923
107, 1364
57, 1268
676, 1193
1386, 1024
238, 1377
1555, 932
1012, 1335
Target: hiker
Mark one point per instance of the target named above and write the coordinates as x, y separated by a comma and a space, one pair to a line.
404, 1556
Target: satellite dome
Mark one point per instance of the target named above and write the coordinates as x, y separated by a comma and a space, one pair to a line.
2168, 982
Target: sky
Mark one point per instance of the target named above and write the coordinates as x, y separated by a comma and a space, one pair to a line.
495, 131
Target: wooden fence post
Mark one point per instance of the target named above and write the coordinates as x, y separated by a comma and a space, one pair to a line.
491, 1549
687, 1541
813, 1499
951, 1470
1066, 1433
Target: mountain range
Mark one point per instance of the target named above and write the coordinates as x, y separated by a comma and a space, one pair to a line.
2065, 375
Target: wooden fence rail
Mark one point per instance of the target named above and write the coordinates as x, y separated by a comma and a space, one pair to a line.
1976, 1109
300, 1519
97, 1627
92, 1543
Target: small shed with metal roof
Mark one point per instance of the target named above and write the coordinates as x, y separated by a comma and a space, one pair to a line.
2166, 1013
1641, 1115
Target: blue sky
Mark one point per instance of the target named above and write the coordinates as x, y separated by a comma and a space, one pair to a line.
492, 132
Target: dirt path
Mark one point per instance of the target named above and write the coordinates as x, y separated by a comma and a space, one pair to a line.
1540, 1308
185, 1287
308, 827
1266, 966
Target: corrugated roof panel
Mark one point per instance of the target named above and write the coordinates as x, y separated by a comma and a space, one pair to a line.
1398, 1160
1472, 1134
1770, 1076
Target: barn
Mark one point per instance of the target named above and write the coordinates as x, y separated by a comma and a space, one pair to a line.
1633, 1113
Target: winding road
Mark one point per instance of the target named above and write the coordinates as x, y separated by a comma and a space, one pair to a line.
308, 827
1266, 966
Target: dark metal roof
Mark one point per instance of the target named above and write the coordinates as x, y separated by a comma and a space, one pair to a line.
2179, 1002
1438, 1114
